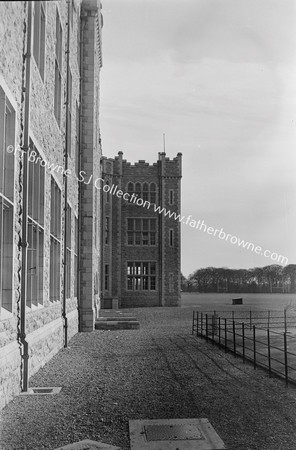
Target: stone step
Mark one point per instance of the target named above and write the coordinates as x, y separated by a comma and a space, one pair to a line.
116, 318
117, 325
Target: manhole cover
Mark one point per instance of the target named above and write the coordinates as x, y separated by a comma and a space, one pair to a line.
172, 434
42, 391
181, 432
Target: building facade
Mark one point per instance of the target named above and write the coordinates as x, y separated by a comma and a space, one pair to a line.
50, 153
140, 242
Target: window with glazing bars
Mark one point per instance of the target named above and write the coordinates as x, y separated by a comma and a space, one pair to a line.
77, 138
171, 283
68, 251
141, 231
7, 137
106, 285
39, 36
55, 243
75, 257
141, 276
35, 255
58, 69
69, 142
107, 230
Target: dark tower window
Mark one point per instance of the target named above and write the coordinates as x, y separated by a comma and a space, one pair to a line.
171, 238
107, 194
130, 188
152, 193
107, 230
145, 192
138, 190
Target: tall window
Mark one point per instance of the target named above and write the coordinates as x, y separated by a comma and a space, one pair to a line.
7, 136
68, 238
145, 195
36, 176
78, 37
141, 231
171, 196
76, 257
107, 230
130, 189
71, 6
39, 36
77, 134
153, 193
55, 242
58, 69
171, 237
70, 115
107, 194
141, 276
138, 190
171, 283
96, 218
106, 284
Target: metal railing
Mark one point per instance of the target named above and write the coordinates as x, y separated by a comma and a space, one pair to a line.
271, 350
261, 318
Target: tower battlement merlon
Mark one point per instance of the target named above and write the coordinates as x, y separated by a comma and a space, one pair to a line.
167, 167
170, 167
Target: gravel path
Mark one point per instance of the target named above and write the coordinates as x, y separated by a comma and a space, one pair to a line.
158, 371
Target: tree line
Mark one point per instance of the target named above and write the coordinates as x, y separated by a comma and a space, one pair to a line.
269, 279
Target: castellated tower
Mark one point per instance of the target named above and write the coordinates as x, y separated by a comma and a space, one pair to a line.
140, 264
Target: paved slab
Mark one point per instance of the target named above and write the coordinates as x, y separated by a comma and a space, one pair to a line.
87, 444
174, 434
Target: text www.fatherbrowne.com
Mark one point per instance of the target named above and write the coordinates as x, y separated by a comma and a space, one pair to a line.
221, 234
199, 225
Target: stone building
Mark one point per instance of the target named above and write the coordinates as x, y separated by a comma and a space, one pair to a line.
50, 60
140, 263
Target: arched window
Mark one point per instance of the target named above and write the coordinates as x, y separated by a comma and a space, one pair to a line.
145, 191
130, 188
138, 189
152, 193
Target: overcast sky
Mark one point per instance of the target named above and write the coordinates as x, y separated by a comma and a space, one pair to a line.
218, 77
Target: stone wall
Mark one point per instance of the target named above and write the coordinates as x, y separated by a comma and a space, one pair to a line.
44, 323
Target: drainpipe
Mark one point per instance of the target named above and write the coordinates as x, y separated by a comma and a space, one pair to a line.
67, 144
82, 26
24, 243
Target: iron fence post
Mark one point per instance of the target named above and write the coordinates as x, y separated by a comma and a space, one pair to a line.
219, 332
234, 342
207, 330
225, 334
243, 337
286, 358
201, 324
269, 354
250, 320
197, 320
254, 345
